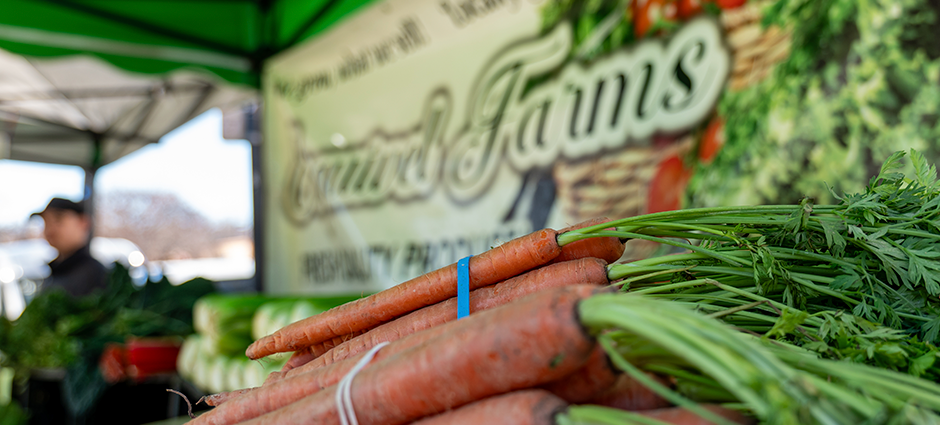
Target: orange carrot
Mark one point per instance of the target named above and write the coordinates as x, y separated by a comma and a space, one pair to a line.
680, 416
596, 377
628, 394
283, 388
400, 345
537, 407
304, 356
583, 271
519, 345
609, 249
222, 397
503, 262
527, 407
599, 382
240, 405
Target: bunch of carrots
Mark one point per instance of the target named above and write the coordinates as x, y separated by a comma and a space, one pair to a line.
551, 341
515, 295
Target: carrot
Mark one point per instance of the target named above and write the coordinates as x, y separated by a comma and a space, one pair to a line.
609, 249
628, 394
527, 407
318, 363
599, 382
505, 261
222, 397
583, 271
680, 416
240, 405
596, 377
304, 356
283, 388
538, 407
304, 382
519, 345
406, 341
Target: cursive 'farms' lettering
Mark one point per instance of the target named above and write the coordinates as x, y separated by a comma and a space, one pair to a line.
617, 101
402, 167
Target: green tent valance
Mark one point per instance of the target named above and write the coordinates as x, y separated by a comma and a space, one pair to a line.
230, 38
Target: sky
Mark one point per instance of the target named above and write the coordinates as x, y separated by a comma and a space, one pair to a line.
210, 174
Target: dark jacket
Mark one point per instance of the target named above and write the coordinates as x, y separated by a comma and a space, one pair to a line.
80, 274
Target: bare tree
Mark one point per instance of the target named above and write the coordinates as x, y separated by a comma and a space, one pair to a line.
160, 224
18, 232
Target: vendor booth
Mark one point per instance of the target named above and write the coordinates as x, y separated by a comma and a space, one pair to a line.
402, 135
760, 170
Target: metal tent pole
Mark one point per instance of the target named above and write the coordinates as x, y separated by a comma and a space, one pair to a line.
88, 194
254, 136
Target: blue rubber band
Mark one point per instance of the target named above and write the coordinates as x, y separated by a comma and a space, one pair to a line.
463, 287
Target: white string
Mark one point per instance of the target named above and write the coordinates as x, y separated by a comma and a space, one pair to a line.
347, 416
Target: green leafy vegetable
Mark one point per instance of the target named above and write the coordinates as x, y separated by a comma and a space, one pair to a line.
858, 280
55, 330
776, 383
862, 81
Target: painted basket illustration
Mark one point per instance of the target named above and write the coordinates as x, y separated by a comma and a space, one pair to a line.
621, 183
755, 50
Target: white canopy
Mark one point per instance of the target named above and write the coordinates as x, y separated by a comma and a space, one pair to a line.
80, 110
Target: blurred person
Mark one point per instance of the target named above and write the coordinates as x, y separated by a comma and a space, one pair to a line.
67, 229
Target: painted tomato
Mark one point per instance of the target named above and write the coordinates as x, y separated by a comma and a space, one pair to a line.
712, 140
646, 13
729, 4
689, 8
668, 185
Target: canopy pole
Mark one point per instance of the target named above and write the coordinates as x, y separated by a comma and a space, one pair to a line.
89, 199
88, 194
253, 134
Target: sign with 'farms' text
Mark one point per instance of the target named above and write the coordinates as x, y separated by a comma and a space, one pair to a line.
419, 132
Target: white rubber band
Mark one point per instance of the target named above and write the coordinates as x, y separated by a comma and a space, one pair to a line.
347, 416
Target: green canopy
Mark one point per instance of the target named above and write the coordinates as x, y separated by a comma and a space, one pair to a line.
85, 82
231, 38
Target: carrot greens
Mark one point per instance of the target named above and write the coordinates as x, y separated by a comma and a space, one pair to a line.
857, 280
776, 382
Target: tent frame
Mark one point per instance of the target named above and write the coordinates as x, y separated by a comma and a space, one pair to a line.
266, 39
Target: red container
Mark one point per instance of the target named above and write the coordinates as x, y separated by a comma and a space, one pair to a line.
151, 356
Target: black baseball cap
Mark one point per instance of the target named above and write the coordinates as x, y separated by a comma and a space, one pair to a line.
62, 204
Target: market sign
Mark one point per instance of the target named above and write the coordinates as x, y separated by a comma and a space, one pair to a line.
621, 100
420, 132
400, 149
